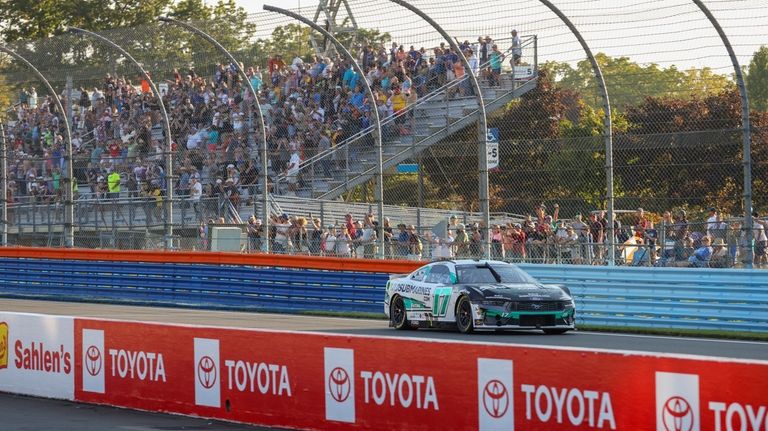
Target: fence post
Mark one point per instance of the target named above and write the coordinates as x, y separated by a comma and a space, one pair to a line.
3, 189
246, 80
607, 130
482, 130
745, 126
67, 177
168, 201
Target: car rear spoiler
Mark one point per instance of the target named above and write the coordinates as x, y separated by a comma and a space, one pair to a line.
396, 276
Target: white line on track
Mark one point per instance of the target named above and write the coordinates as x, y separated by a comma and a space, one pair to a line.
666, 337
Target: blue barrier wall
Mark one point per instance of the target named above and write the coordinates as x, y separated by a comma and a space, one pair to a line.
194, 285
683, 298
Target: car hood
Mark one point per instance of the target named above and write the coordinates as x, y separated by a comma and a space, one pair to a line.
518, 292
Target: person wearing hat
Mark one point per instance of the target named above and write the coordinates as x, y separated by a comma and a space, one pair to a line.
702, 255
461, 242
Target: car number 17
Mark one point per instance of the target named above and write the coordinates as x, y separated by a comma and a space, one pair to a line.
442, 298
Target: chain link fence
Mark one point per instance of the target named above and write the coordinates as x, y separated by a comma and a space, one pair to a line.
676, 133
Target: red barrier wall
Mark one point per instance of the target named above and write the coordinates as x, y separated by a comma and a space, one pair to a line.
342, 382
217, 258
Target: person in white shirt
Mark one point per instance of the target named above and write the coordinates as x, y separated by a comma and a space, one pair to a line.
195, 193
292, 172
517, 48
329, 242
761, 240
343, 242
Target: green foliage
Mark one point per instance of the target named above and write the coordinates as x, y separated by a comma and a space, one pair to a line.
757, 80
35, 19
629, 82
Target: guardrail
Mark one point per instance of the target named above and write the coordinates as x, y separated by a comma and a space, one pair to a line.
679, 298
642, 297
204, 286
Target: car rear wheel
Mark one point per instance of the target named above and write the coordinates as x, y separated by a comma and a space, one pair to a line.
397, 314
555, 331
464, 315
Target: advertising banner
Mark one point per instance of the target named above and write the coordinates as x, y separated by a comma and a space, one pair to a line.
37, 355
342, 382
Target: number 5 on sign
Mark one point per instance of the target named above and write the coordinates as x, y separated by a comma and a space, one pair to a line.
492, 146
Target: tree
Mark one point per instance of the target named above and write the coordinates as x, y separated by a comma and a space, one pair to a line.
757, 80
35, 19
629, 83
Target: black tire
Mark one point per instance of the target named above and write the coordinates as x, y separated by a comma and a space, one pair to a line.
464, 315
397, 314
555, 331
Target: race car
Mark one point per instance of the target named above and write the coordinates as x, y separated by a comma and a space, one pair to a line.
477, 294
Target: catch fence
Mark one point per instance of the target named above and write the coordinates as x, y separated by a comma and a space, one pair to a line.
676, 139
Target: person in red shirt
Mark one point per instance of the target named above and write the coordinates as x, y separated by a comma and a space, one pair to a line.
114, 149
350, 225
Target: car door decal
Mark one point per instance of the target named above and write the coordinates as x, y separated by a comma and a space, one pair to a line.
442, 296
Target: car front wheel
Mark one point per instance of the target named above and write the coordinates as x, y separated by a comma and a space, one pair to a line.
464, 315
397, 314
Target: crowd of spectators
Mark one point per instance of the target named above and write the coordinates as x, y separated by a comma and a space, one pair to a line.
540, 237
309, 107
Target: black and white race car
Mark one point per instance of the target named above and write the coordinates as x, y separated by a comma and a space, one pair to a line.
477, 294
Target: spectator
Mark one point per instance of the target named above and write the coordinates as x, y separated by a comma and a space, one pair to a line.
517, 49
702, 255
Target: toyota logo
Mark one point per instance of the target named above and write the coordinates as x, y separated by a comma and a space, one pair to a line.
495, 399
93, 360
339, 384
536, 306
206, 372
677, 415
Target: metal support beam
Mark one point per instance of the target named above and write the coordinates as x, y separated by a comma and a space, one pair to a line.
69, 236
482, 129
263, 141
379, 192
168, 201
330, 10
607, 128
3, 189
745, 132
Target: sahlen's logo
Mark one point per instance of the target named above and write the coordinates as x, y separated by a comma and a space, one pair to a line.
339, 384
93, 360
677, 415
206, 372
495, 398
3, 345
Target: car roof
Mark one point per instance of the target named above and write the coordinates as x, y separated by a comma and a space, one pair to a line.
468, 262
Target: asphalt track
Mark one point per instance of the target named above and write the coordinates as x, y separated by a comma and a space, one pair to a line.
23, 413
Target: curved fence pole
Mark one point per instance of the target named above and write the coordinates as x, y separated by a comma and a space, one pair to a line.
3, 189
260, 115
69, 232
607, 131
482, 130
168, 204
746, 130
379, 192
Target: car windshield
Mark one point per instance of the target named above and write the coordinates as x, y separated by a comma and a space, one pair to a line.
498, 273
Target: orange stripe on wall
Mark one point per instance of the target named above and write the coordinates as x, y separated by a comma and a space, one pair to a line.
215, 258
